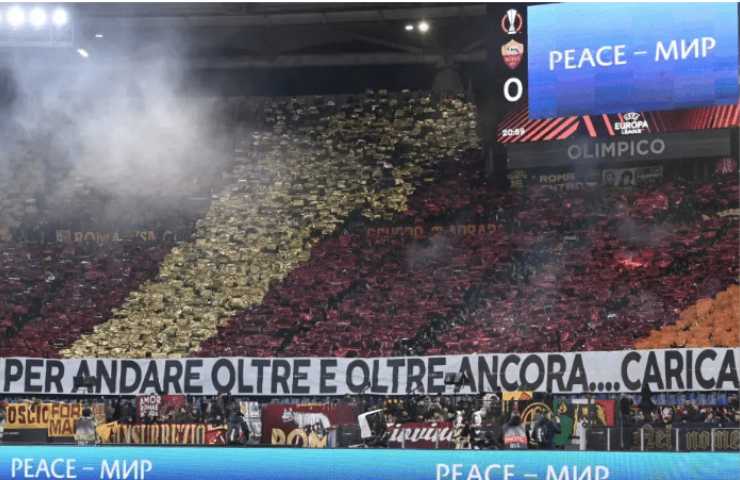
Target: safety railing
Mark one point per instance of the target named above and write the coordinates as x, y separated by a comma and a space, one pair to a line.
683, 438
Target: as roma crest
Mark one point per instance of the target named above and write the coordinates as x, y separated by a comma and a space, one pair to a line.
512, 52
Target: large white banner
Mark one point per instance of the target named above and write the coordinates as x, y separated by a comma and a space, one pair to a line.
674, 370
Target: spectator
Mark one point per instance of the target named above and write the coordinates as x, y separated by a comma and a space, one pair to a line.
545, 430
581, 429
711, 419
183, 415
196, 414
238, 431
85, 428
515, 435
216, 411
128, 412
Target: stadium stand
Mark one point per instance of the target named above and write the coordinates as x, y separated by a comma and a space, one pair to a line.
320, 161
353, 280
602, 280
53, 293
234, 234
329, 259
709, 322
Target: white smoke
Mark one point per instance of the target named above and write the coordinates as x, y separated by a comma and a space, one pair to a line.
113, 133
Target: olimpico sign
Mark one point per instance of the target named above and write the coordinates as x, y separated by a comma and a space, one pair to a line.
588, 151
616, 149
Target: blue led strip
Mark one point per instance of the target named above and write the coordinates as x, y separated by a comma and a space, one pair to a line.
183, 463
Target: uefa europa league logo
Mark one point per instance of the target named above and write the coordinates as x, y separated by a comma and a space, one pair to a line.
512, 22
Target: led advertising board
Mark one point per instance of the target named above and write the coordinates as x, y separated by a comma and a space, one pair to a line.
178, 463
612, 58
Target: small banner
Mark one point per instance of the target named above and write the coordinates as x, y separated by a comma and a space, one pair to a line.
421, 435
601, 413
307, 426
154, 406
164, 434
29, 422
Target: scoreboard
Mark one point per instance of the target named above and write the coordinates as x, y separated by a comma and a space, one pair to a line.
612, 58
609, 70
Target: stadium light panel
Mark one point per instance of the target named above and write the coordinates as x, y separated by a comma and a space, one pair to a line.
98, 35
15, 17
37, 17
409, 27
59, 17
83, 53
423, 26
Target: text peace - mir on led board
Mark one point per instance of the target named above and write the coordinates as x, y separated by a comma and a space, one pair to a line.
148, 463
611, 58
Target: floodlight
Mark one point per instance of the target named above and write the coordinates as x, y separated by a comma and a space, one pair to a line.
409, 27
37, 17
83, 53
15, 17
59, 17
98, 35
423, 26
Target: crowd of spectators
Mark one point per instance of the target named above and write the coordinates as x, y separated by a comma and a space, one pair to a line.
714, 321
283, 264
315, 163
477, 422
575, 270
606, 269
711, 417
53, 293
685, 415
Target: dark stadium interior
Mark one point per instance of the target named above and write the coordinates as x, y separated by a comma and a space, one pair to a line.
336, 182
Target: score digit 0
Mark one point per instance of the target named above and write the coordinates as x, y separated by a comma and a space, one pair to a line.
518, 89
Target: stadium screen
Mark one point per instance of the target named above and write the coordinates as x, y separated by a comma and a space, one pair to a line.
147, 463
621, 69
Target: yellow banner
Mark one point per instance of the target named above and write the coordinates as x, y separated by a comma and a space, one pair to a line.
58, 418
174, 434
519, 395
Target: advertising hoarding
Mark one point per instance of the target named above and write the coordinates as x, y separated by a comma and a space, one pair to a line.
146, 463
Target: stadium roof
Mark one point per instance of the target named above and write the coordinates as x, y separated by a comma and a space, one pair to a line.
275, 35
